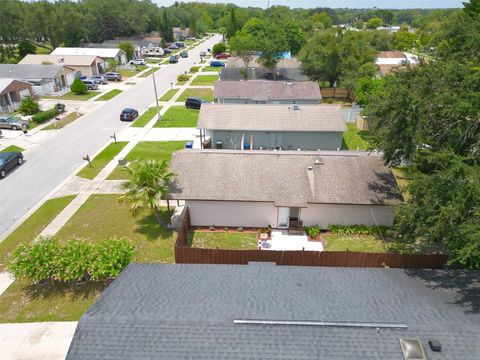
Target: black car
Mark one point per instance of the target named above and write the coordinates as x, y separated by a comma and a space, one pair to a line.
8, 160
167, 51
184, 54
128, 114
173, 59
194, 103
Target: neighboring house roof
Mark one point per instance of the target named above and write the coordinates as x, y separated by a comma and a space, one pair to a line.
5, 83
105, 53
391, 55
260, 73
326, 118
387, 61
283, 177
72, 60
31, 71
291, 63
187, 311
111, 44
263, 90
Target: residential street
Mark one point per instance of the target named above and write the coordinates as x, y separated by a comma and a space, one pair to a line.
48, 165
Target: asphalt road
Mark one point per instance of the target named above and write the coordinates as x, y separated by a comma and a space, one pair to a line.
50, 163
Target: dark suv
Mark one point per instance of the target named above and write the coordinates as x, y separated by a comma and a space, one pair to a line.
194, 103
173, 59
128, 114
113, 76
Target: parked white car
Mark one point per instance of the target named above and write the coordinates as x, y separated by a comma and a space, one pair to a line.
138, 62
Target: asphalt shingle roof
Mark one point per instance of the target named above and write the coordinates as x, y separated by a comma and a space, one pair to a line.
262, 90
186, 311
30, 71
283, 74
72, 60
326, 118
283, 177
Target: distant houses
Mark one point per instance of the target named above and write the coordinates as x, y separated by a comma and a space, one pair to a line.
114, 54
266, 92
45, 79
141, 45
387, 61
88, 65
279, 127
180, 34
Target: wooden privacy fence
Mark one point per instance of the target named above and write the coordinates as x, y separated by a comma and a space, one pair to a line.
187, 255
337, 93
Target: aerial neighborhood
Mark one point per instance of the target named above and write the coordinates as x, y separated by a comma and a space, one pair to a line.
214, 181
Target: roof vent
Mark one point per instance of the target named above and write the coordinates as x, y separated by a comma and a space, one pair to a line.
296, 107
318, 162
310, 168
289, 83
412, 349
435, 345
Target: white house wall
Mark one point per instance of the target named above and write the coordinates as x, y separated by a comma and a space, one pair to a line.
286, 140
326, 214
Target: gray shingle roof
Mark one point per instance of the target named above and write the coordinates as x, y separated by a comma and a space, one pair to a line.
271, 117
283, 74
30, 71
282, 177
185, 311
264, 90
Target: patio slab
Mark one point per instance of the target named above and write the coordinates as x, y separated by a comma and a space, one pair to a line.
280, 240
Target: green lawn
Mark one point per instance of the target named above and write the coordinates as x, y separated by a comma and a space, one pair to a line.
149, 72
32, 227
222, 240
145, 118
71, 96
129, 73
206, 94
154, 60
63, 121
102, 159
12, 148
144, 150
205, 80
354, 138
110, 95
209, 68
362, 243
178, 116
168, 95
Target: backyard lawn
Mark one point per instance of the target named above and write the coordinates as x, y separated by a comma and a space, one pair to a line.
205, 80
354, 138
178, 116
144, 150
222, 240
168, 95
361, 243
110, 95
12, 148
145, 118
32, 227
63, 121
102, 159
205, 94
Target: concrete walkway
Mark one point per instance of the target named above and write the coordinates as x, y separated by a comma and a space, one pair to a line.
5, 281
36, 341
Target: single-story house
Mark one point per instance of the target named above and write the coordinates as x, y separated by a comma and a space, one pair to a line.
266, 311
260, 188
288, 69
88, 65
115, 54
266, 92
12, 92
253, 127
141, 45
45, 79
180, 34
388, 60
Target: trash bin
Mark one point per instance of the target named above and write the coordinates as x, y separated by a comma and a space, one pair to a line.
189, 145
246, 146
219, 144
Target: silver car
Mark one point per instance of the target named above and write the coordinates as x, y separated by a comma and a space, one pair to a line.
12, 122
99, 79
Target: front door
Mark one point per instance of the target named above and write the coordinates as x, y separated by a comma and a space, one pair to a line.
283, 215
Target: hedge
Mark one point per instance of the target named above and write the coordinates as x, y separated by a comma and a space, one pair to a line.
45, 115
358, 229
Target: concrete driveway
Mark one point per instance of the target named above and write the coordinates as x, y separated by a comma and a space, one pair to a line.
36, 341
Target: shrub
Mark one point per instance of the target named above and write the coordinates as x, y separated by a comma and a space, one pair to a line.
358, 229
194, 69
240, 229
78, 87
183, 77
212, 228
75, 260
45, 115
266, 230
28, 106
219, 48
312, 231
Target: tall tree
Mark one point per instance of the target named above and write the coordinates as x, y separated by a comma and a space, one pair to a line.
166, 28
294, 35
244, 45
271, 44
233, 24
147, 184
128, 48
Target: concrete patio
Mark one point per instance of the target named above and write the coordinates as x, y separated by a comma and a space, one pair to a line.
280, 240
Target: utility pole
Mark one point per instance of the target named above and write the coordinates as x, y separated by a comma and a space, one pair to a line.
156, 95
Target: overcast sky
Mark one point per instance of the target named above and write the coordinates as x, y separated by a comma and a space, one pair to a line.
385, 4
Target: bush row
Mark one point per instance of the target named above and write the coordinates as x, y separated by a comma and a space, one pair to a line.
74, 260
358, 229
45, 115
183, 77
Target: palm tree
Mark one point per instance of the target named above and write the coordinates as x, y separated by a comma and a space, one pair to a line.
148, 183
